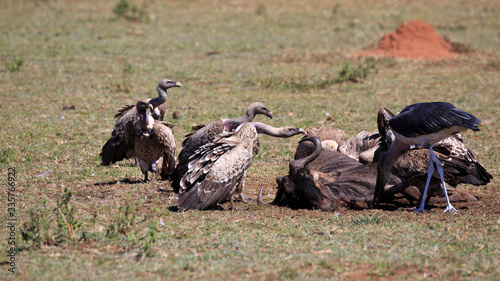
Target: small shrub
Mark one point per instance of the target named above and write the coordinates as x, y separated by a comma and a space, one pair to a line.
39, 228
335, 9
493, 65
360, 221
150, 238
261, 9
122, 8
67, 223
355, 74
30, 230
127, 67
35, 230
123, 222
15, 65
125, 84
7, 155
460, 48
130, 11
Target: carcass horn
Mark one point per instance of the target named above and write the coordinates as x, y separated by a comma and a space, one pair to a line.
294, 165
259, 197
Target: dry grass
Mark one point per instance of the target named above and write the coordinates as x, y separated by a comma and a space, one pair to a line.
228, 54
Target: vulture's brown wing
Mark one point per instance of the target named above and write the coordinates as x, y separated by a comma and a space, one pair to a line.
201, 136
166, 138
116, 148
214, 170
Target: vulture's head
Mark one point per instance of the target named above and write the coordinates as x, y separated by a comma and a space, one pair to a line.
280, 132
144, 109
259, 108
161, 88
292, 131
167, 84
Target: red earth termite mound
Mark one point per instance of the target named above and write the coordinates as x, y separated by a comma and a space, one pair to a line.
414, 39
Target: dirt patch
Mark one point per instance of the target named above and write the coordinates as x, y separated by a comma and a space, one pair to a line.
414, 39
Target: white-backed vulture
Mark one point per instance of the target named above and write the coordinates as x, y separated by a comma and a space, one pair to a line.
217, 169
152, 141
116, 148
203, 134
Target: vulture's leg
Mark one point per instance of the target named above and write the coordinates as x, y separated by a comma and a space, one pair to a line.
231, 202
144, 168
238, 191
156, 167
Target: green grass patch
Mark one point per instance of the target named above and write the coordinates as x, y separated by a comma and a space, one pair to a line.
14, 65
131, 11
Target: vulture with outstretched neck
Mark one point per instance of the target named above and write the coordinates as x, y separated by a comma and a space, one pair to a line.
152, 141
203, 134
217, 169
116, 148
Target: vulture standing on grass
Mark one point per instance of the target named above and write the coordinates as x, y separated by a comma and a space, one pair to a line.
217, 169
204, 134
116, 148
152, 141
458, 163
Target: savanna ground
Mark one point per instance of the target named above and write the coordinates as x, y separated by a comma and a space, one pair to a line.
287, 54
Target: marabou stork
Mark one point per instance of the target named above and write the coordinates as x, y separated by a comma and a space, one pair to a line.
422, 124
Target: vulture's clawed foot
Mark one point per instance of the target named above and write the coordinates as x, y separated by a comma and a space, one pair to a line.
231, 202
248, 199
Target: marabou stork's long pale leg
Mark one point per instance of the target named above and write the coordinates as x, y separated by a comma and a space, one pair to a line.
429, 176
449, 207
435, 161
